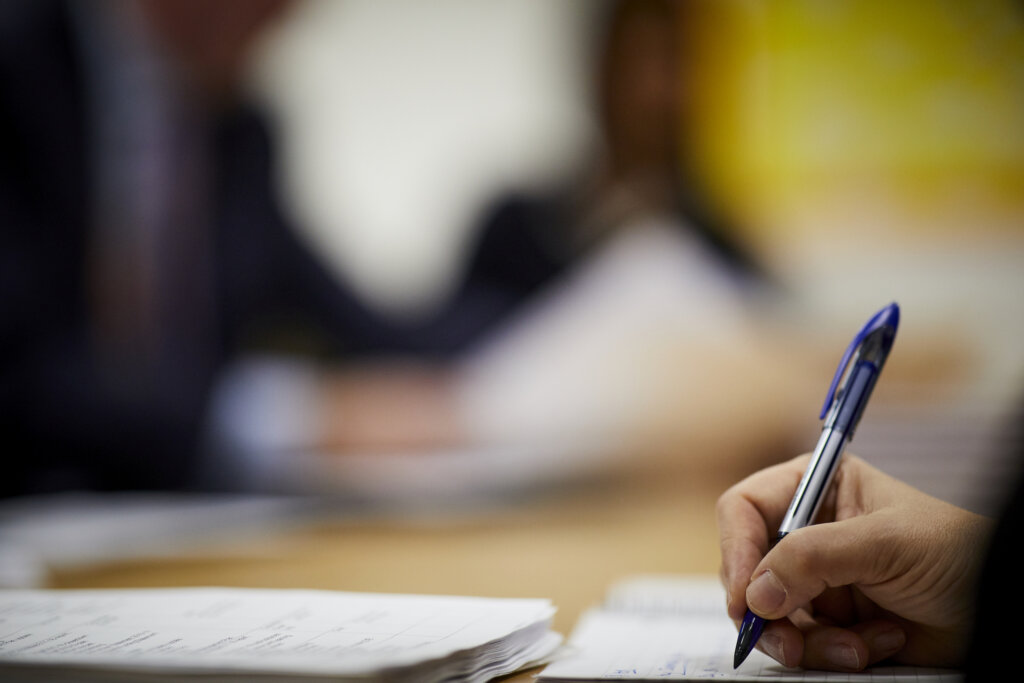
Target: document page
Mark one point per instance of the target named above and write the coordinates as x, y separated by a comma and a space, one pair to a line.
294, 632
676, 628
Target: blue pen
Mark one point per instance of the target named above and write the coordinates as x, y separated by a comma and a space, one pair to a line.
854, 379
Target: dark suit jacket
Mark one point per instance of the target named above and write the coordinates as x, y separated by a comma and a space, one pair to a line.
65, 419
992, 652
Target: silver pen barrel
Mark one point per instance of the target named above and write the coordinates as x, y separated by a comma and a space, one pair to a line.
812, 488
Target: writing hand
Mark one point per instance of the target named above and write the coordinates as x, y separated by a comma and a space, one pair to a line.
888, 572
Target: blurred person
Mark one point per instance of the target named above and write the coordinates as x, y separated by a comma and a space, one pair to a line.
527, 241
887, 574
153, 296
637, 320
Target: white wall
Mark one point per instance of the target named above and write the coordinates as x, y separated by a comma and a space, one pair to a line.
400, 119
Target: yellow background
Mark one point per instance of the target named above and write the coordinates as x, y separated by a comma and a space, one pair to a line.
811, 115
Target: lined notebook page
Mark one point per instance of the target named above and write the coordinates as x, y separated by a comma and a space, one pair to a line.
675, 627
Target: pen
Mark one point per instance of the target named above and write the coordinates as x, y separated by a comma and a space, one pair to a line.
848, 394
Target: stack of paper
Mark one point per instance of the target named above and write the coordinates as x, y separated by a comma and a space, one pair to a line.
245, 634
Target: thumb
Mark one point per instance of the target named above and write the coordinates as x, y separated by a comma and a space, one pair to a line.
807, 561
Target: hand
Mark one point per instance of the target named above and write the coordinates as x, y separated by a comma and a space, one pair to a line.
888, 572
388, 407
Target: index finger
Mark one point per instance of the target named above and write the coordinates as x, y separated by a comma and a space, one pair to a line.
748, 515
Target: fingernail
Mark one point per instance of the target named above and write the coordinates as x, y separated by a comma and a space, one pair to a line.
771, 643
889, 642
765, 594
842, 657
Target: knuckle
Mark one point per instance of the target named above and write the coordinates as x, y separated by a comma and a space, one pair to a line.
723, 503
797, 566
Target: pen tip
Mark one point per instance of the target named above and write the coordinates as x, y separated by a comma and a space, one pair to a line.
743, 646
750, 631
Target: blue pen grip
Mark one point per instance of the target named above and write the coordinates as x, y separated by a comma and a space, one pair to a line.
850, 405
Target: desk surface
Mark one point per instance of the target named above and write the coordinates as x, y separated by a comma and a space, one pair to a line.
568, 546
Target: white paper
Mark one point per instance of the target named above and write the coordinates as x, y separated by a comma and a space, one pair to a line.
683, 634
76, 529
289, 632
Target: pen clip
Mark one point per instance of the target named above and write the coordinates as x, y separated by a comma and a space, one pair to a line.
887, 316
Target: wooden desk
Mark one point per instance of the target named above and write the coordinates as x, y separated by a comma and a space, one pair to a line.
567, 546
